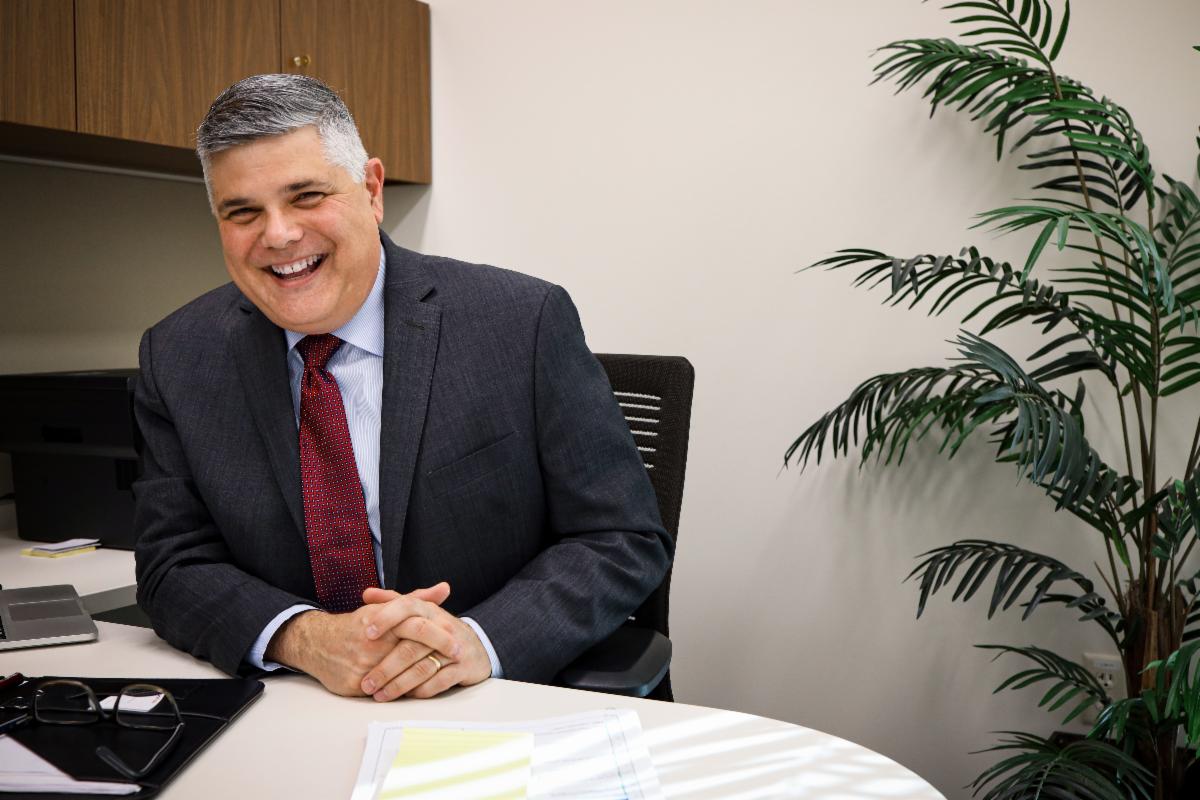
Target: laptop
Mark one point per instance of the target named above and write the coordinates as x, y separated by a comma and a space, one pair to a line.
43, 615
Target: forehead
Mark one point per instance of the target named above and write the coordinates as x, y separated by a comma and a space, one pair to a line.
271, 165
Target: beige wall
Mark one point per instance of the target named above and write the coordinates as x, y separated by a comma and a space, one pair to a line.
673, 164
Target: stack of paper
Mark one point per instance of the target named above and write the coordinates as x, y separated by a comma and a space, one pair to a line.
599, 755
22, 770
59, 549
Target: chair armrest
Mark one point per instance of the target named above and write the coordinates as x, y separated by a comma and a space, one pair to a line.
631, 662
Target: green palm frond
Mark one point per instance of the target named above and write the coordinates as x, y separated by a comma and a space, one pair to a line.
1124, 720
1024, 32
890, 410
945, 280
1057, 219
1177, 509
990, 86
1070, 681
1090, 140
1106, 157
1177, 688
1190, 589
1178, 230
1046, 439
1016, 571
1083, 770
1178, 236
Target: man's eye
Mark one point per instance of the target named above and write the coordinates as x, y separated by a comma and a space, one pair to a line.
308, 197
240, 214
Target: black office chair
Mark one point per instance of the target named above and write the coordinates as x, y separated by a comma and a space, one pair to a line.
655, 392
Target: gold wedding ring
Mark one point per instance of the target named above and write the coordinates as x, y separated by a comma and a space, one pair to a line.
437, 664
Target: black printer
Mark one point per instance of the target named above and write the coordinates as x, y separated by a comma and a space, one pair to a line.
74, 447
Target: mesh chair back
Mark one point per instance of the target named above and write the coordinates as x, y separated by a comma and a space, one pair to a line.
655, 393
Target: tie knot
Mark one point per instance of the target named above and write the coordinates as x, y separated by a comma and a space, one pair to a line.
317, 349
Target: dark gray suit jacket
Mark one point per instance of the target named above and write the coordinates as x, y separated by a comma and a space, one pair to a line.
506, 468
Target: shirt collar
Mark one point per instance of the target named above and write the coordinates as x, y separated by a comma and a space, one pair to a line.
365, 328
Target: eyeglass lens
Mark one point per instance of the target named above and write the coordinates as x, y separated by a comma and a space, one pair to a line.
146, 707
66, 703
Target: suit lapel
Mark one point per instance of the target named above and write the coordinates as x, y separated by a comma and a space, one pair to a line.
412, 328
262, 366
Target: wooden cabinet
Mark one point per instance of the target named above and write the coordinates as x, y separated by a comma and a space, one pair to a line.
37, 63
126, 82
376, 56
147, 70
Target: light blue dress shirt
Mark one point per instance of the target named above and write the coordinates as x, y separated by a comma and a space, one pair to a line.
357, 366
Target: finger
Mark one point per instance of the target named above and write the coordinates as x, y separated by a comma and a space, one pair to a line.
375, 595
445, 678
392, 664
435, 594
380, 618
414, 676
433, 633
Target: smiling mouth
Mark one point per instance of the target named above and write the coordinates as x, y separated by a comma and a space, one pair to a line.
299, 268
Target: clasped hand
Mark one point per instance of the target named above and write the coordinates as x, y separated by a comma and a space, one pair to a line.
383, 649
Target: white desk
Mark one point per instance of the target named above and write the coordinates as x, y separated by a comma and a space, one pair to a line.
104, 577
298, 741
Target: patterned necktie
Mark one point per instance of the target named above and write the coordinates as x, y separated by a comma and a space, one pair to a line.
335, 512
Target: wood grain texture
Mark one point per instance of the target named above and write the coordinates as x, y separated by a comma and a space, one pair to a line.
149, 69
375, 54
37, 62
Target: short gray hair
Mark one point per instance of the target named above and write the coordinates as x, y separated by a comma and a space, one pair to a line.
272, 105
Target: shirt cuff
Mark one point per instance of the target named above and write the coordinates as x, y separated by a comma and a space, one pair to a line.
497, 671
257, 652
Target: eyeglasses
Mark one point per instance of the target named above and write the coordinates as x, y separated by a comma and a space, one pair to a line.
138, 706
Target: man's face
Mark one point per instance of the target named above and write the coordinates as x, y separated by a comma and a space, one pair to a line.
301, 239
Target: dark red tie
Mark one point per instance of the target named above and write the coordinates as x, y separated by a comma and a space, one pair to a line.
335, 513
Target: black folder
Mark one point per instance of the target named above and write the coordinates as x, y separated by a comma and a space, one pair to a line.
72, 748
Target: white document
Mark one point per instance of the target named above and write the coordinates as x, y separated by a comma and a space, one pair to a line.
22, 770
140, 704
598, 755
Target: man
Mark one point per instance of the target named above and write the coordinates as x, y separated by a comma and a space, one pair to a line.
394, 472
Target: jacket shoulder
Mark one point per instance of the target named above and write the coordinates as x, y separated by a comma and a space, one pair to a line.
203, 313
463, 284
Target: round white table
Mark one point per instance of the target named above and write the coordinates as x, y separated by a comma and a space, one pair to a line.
298, 741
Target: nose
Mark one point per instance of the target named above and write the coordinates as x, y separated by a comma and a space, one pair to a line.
280, 230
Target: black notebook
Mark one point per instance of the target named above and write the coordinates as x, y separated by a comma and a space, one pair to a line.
72, 748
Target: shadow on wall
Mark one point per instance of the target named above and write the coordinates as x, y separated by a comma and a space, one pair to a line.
405, 213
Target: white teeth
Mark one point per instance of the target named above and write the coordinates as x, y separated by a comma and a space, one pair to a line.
295, 266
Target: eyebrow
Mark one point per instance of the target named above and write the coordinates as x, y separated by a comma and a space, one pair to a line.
291, 188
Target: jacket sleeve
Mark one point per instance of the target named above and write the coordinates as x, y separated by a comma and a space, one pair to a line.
608, 546
187, 583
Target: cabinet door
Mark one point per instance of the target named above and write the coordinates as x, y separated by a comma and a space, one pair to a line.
149, 69
375, 54
37, 63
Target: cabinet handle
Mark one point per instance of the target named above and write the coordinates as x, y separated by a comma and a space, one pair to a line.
301, 61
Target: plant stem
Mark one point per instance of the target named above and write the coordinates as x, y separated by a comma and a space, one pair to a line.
1146, 564
1122, 606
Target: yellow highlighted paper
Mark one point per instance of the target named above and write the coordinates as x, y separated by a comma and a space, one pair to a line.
30, 551
457, 764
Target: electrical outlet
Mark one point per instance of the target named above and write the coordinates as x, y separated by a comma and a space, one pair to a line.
1109, 672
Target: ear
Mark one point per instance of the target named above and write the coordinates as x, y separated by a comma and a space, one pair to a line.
373, 181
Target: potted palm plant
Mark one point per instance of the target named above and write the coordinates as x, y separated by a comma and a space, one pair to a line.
1112, 280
